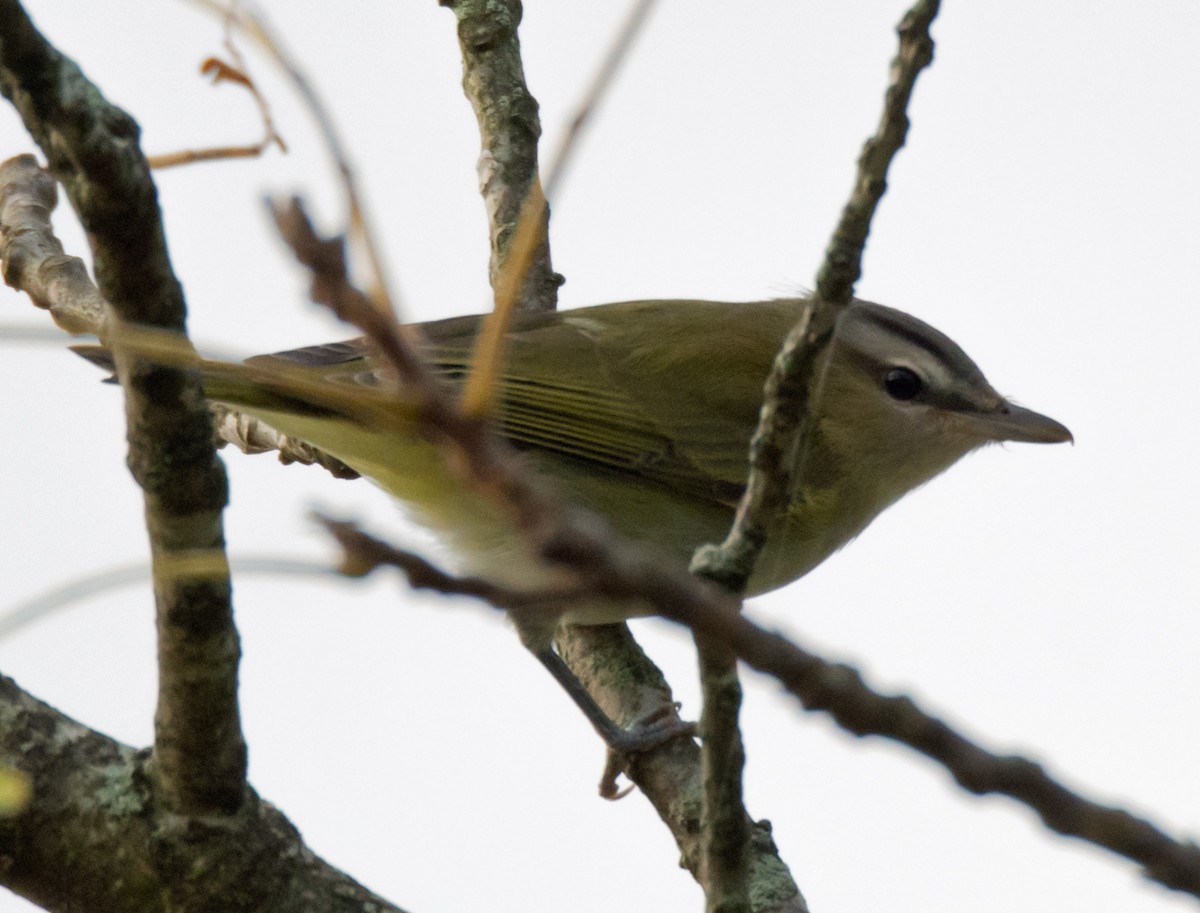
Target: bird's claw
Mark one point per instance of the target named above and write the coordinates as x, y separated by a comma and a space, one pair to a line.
658, 727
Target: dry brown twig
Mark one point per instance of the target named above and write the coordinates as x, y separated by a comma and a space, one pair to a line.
237, 73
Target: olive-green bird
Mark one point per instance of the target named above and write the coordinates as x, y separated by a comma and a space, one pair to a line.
642, 411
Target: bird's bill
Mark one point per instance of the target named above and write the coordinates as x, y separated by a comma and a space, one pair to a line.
1016, 423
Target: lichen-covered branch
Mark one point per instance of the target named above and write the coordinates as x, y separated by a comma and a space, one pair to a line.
94, 838
494, 83
92, 150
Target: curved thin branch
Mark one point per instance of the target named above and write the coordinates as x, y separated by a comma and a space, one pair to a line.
18, 616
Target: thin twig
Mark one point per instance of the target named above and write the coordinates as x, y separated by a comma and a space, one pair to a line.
255, 25
362, 554
619, 570
794, 379
777, 467
21, 615
237, 73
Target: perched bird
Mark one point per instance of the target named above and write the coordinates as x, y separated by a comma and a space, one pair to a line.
643, 411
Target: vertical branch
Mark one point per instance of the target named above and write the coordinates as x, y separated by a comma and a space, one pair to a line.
609, 663
725, 825
530, 236
494, 82
92, 148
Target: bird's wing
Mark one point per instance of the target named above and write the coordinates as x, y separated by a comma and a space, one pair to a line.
635, 387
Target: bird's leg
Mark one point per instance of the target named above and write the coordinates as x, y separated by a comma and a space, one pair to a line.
651, 731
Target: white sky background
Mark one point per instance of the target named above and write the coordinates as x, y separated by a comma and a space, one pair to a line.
1044, 599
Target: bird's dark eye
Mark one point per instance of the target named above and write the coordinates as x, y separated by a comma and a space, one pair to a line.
902, 383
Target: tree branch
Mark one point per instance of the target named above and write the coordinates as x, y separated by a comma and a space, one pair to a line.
795, 378
33, 257
199, 755
489, 467
494, 83
493, 76
618, 570
94, 838
776, 466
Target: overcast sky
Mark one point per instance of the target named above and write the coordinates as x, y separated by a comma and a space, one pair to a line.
1043, 598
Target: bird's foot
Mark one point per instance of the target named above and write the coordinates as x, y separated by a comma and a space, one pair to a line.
658, 727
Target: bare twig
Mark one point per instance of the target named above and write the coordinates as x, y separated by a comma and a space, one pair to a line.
780, 437
494, 83
509, 269
479, 392
619, 570
91, 146
33, 258
362, 554
255, 25
530, 238
238, 74
794, 378
487, 463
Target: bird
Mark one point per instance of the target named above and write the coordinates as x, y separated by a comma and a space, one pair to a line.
643, 411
